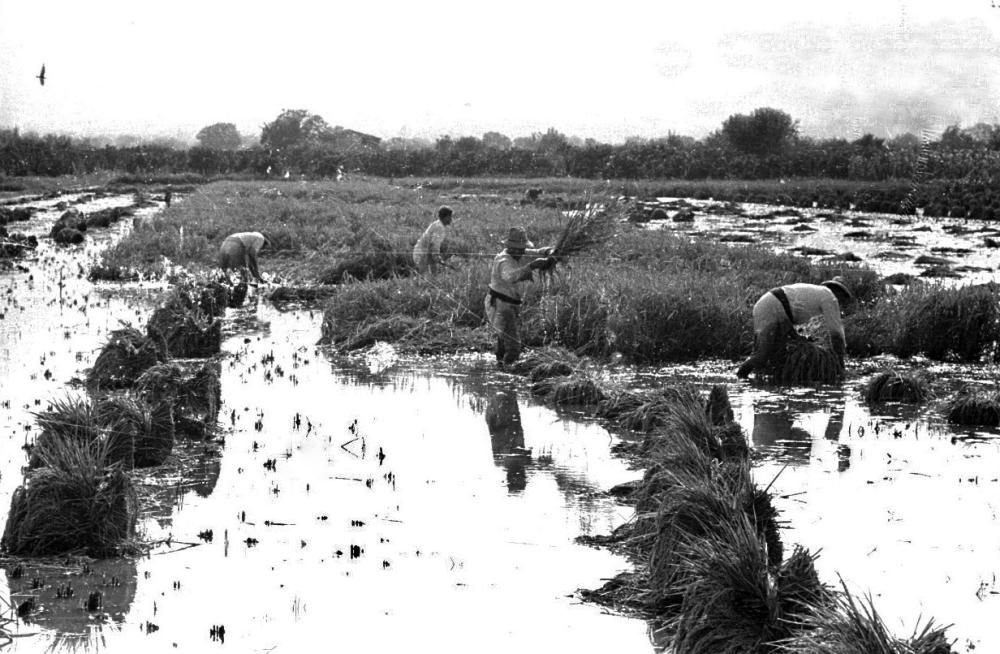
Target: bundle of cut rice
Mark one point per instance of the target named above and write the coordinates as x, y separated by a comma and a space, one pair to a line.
185, 332
974, 406
124, 357
895, 386
75, 501
585, 229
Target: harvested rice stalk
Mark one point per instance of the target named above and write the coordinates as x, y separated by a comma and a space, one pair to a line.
586, 229
847, 626
139, 436
729, 604
550, 369
185, 332
198, 393
974, 406
238, 295
544, 356
124, 357
808, 362
895, 386
800, 592
698, 510
576, 389
74, 502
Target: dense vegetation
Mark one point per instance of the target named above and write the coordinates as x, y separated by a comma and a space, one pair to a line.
762, 145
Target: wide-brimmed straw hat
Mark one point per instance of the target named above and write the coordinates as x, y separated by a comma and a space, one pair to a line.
516, 238
838, 286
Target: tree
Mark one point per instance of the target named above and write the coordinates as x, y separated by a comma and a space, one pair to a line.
870, 145
220, 136
765, 131
954, 138
496, 140
293, 127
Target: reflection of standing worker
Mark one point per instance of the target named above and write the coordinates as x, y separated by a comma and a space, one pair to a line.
239, 252
427, 251
503, 419
780, 309
503, 299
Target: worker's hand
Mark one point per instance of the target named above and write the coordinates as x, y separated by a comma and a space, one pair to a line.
542, 263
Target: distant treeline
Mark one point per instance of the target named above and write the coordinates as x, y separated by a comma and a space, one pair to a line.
869, 159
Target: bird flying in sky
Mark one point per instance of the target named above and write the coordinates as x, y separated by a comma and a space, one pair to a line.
41, 76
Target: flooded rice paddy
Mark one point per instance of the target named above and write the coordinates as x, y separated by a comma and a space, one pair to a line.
378, 503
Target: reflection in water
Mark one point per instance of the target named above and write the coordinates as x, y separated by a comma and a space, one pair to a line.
503, 419
79, 601
790, 433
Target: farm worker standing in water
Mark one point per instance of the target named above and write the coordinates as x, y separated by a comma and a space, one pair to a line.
503, 300
779, 310
239, 252
427, 251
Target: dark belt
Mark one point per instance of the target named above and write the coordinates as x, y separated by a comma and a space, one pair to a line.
497, 295
780, 294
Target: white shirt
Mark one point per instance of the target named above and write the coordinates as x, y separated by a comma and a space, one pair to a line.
429, 243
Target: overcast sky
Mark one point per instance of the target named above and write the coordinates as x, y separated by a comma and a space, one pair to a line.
605, 70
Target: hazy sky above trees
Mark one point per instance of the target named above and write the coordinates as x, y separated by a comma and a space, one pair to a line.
591, 69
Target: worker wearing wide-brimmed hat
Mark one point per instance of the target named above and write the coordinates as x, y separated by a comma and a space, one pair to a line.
503, 300
239, 252
427, 251
780, 309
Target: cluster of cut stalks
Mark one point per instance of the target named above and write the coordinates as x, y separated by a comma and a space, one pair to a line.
711, 566
78, 494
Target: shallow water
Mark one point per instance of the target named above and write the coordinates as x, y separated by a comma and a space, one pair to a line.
363, 507
431, 503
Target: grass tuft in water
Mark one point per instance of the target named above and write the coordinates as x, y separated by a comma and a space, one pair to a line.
974, 406
896, 386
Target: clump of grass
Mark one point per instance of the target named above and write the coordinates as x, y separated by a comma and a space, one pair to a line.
571, 390
544, 356
124, 357
974, 406
896, 386
75, 502
942, 322
847, 626
372, 257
